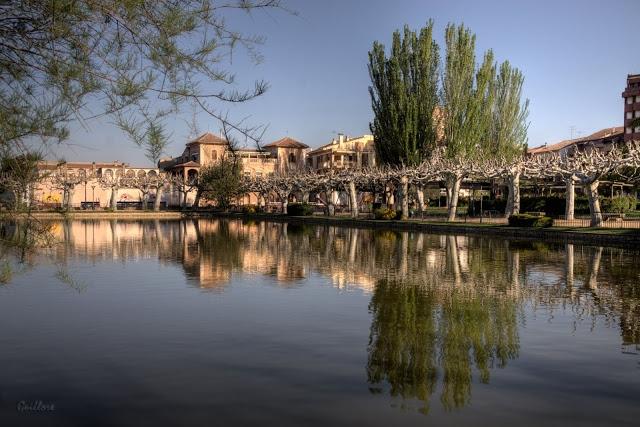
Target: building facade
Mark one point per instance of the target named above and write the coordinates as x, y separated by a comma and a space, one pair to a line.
86, 187
631, 97
603, 139
343, 153
282, 156
607, 138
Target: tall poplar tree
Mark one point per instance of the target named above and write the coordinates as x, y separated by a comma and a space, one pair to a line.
509, 129
404, 96
467, 98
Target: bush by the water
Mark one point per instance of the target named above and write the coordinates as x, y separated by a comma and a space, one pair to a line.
299, 209
524, 220
619, 205
385, 213
249, 209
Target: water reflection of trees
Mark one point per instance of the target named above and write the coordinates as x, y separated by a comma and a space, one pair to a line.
445, 309
436, 330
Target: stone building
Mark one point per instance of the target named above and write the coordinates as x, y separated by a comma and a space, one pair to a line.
282, 156
343, 153
87, 190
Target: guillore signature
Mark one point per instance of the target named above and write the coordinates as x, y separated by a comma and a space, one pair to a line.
35, 406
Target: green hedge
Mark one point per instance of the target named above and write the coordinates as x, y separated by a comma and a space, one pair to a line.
524, 220
618, 204
299, 209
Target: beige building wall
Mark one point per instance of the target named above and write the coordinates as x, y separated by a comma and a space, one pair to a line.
283, 156
48, 193
343, 153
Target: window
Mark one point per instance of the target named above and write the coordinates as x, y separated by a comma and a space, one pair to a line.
628, 130
629, 115
637, 113
292, 158
630, 100
637, 98
214, 155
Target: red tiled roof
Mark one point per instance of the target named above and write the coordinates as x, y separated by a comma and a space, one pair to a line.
287, 142
596, 136
208, 138
189, 164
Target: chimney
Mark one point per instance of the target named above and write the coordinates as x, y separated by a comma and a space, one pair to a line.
340, 137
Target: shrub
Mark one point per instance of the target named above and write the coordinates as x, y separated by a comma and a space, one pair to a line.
618, 204
385, 213
299, 209
249, 209
524, 220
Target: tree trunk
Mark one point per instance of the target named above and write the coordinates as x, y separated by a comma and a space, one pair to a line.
69, 198
65, 199
513, 199
404, 196
183, 197
353, 199
113, 203
388, 196
196, 202
420, 196
305, 197
453, 190
594, 203
285, 203
262, 202
156, 202
570, 199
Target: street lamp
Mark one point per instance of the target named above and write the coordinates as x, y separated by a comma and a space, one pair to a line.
93, 197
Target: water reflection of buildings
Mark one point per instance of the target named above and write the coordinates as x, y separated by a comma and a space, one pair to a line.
444, 308
210, 251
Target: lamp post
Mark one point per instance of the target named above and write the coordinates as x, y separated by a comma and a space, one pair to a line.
85, 192
93, 197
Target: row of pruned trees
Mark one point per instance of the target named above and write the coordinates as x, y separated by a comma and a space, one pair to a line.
67, 181
397, 185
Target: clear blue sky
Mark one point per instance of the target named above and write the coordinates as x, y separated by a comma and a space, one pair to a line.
575, 56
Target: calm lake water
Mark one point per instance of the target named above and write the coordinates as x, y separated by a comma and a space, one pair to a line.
214, 322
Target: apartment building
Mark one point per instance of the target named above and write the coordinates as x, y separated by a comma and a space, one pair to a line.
631, 97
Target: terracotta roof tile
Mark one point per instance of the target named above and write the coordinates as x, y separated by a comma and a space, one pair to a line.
208, 138
287, 142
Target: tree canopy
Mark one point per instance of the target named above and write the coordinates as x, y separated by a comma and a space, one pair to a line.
404, 96
467, 109
134, 62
